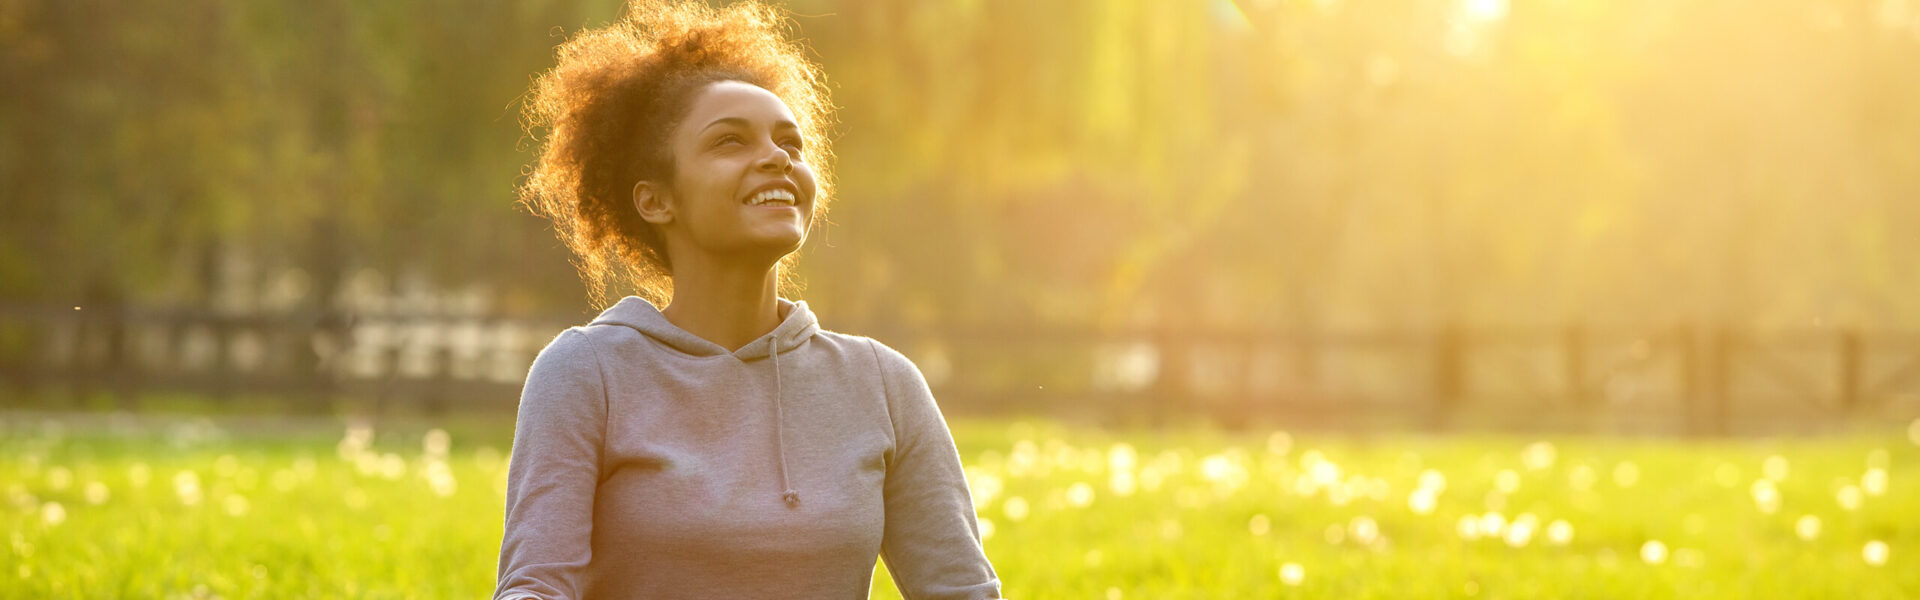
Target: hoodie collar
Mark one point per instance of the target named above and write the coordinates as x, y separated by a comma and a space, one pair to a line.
642, 316
632, 311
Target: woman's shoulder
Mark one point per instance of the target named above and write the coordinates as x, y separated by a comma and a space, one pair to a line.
571, 341
574, 341
888, 359
570, 350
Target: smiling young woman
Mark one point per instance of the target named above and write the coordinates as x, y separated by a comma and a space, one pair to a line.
724, 446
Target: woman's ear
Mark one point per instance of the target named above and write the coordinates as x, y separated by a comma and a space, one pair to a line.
652, 203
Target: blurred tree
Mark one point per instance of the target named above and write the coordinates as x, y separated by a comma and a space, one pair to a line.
1309, 163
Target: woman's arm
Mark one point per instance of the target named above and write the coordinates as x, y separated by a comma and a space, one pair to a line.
555, 468
932, 542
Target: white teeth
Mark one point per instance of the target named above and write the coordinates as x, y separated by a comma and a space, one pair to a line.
772, 196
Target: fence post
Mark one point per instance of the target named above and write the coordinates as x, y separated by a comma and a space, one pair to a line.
222, 324
1251, 407
1575, 353
1306, 366
1708, 384
1719, 378
1849, 370
103, 326
335, 327
1693, 378
440, 372
1172, 385
1448, 380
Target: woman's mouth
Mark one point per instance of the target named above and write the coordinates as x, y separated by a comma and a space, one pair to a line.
772, 197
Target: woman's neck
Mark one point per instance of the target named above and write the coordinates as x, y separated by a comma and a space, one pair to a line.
728, 305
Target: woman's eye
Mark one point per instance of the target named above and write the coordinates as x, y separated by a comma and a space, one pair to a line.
727, 139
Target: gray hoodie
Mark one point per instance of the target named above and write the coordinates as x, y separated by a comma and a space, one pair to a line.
651, 463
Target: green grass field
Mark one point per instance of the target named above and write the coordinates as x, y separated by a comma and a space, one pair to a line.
122, 507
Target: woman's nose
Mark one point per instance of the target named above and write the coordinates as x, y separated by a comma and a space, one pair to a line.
777, 161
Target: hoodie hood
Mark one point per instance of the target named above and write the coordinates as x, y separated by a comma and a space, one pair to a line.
642, 316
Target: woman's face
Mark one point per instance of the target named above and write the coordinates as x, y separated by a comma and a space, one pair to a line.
741, 186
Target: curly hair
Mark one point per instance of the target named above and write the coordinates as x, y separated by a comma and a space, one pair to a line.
607, 110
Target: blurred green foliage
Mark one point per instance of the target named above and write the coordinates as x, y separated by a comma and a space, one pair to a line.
1266, 162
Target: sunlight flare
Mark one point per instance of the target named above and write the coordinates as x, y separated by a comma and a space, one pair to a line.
96, 493
1626, 474
1874, 481
1422, 501
1776, 468
1079, 495
138, 474
1519, 534
186, 485
1875, 553
236, 505
1848, 497
1808, 527
1766, 497
1015, 509
59, 478
1468, 527
1292, 574
1653, 552
1559, 532
1582, 478
437, 442
1539, 456
1507, 481
1280, 443
1484, 10
1364, 530
53, 514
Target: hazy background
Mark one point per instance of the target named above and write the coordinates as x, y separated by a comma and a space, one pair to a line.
1192, 280
1020, 181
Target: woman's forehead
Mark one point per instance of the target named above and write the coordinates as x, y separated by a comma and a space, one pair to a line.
738, 102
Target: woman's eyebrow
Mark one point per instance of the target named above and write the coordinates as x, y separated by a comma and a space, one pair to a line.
743, 122
736, 121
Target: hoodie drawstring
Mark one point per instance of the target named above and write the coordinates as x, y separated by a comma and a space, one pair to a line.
791, 496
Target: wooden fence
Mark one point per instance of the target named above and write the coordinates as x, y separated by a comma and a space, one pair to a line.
1675, 379
1685, 378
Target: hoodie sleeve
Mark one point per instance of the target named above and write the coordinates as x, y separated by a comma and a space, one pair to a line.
555, 467
931, 543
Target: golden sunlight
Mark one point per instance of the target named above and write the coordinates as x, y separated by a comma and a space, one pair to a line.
1484, 10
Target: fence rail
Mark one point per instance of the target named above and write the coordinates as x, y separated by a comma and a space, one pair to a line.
1685, 378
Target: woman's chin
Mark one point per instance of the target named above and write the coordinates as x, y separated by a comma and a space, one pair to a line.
778, 244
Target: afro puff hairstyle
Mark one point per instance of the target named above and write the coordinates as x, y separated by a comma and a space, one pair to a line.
602, 116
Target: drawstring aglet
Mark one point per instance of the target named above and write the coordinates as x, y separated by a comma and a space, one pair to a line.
792, 497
